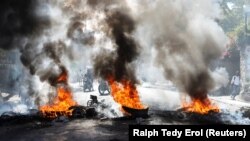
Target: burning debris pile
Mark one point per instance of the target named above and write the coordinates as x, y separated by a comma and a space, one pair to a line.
126, 94
202, 107
63, 100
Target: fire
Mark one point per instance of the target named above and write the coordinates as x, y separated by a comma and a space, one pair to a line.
62, 102
63, 78
200, 106
126, 94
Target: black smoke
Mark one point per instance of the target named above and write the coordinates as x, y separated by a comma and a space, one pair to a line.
76, 33
186, 41
117, 64
52, 52
19, 20
21, 28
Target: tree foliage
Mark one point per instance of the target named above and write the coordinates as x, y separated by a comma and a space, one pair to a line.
233, 22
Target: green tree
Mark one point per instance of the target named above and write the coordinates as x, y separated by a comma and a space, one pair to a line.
233, 20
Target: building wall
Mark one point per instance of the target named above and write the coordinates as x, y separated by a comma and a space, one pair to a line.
245, 72
8, 71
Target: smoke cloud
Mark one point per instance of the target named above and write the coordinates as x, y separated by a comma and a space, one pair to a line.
181, 36
186, 39
47, 35
121, 26
19, 20
221, 77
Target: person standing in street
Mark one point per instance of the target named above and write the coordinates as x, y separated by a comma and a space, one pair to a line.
235, 85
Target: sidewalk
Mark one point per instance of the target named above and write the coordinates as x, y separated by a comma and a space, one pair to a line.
238, 102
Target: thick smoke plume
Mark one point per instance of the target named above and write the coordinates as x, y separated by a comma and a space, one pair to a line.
36, 61
186, 39
21, 28
43, 36
19, 20
118, 64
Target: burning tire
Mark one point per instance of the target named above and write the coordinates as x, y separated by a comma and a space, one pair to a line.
143, 113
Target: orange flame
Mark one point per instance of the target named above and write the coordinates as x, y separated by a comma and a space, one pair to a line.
63, 77
200, 106
125, 93
61, 103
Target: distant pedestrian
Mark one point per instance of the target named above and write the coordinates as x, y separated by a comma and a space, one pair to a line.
235, 85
